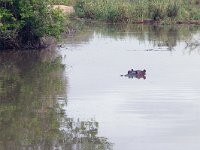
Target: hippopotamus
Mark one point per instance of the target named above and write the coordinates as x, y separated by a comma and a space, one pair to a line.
136, 73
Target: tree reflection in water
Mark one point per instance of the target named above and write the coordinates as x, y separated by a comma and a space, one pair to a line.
32, 94
82, 135
162, 37
193, 44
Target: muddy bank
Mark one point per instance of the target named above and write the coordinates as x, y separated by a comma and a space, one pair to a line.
151, 21
196, 22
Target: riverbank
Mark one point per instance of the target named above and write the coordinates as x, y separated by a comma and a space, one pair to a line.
151, 21
24, 24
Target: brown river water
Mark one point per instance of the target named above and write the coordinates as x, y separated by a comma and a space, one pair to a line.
73, 97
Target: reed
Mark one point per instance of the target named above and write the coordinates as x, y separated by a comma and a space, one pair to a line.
62, 2
137, 10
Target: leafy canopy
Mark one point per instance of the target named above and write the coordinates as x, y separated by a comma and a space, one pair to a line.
26, 21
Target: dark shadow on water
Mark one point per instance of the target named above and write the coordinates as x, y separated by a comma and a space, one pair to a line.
33, 92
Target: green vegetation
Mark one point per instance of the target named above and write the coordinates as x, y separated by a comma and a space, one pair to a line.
138, 10
62, 2
24, 22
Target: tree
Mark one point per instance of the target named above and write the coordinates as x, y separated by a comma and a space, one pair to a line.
24, 22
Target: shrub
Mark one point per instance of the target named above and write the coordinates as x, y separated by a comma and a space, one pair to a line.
172, 10
62, 2
195, 14
157, 10
24, 22
79, 8
136, 10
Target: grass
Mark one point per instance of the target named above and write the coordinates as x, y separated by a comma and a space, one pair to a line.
138, 10
62, 2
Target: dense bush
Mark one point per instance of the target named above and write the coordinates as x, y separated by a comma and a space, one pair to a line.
137, 10
62, 2
110, 10
24, 22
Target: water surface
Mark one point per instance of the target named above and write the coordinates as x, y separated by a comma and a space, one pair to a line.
160, 112
73, 97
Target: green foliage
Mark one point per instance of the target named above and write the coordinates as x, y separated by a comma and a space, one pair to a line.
115, 10
195, 14
157, 10
137, 10
24, 22
62, 2
172, 10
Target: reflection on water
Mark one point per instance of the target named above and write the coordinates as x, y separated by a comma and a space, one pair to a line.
193, 45
33, 92
161, 112
86, 104
83, 135
161, 37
